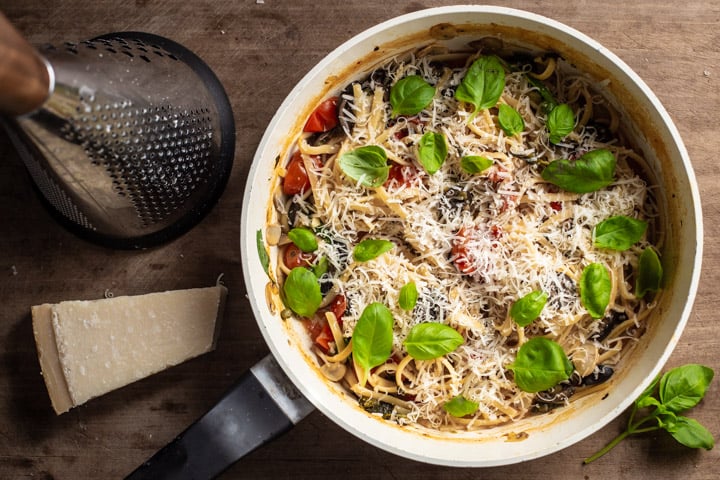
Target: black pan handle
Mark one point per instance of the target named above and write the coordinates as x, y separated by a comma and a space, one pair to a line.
262, 405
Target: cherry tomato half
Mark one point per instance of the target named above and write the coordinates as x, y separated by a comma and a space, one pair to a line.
294, 257
464, 261
324, 117
400, 175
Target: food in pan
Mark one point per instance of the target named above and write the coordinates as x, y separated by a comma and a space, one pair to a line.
468, 237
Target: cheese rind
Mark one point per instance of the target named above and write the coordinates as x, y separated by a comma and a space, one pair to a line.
88, 348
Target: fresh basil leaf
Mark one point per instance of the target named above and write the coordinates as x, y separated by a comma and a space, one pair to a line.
262, 253
691, 433
473, 164
371, 248
528, 308
321, 267
618, 233
432, 151
304, 238
649, 274
647, 393
432, 340
592, 171
595, 287
408, 296
367, 165
510, 120
540, 364
560, 122
483, 84
372, 337
683, 387
647, 402
460, 406
549, 101
410, 95
302, 292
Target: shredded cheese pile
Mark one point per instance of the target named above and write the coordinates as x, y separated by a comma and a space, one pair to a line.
518, 234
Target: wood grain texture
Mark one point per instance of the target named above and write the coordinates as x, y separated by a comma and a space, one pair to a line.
259, 50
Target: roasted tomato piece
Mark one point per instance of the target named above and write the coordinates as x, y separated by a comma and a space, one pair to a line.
464, 261
296, 177
324, 117
400, 175
294, 257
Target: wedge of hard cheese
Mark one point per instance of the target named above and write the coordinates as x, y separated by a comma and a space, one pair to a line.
88, 348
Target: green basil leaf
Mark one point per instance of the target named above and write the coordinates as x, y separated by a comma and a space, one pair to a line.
560, 122
473, 164
371, 248
618, 233
595, 287
510, 120
683, 387
540, 364
432, 151
483, 84
367, 165
410, 95
432, 340
647, 393
528, 308
549, 102
408, 296
647, 402
691, 433
460, 406
321, 267
304, 238
302, 292
649, 274
262, 253
592, 171
372, 337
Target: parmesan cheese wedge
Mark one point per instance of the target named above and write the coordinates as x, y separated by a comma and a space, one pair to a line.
88, 348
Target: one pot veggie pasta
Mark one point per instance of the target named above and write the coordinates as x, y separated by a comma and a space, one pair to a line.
467, 237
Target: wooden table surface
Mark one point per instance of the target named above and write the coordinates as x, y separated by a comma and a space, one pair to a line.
259, 50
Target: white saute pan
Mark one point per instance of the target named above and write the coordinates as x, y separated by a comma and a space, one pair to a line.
225, 434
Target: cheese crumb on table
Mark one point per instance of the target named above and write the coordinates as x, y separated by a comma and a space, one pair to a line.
89, 348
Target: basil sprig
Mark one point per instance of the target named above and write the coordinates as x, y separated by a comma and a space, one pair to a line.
540, 364
483, 84
304, 238
408, 296
595, 287
677, 391
618, 233
367, 165
510, 120
371, 248
560, 122
649, 274
410, 95
372, 337
592, 171
460, 406
474, 164
432, 340
528, 308
302, 292
432, 151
